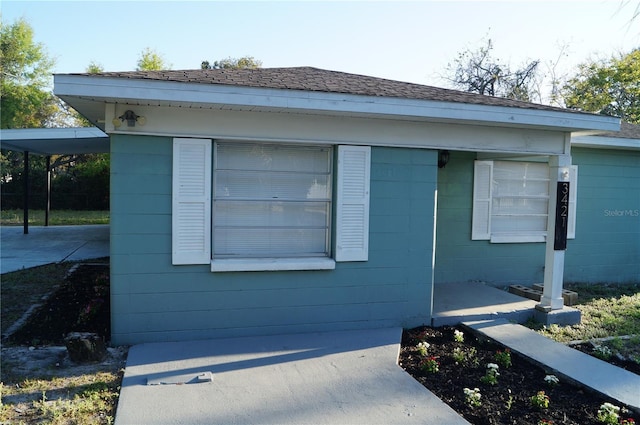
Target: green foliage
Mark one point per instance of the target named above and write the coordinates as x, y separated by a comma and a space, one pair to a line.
94, 68
245, 62
503, 358
607, 310
78, 181
150, 60
609, 87
540, 400
25, 72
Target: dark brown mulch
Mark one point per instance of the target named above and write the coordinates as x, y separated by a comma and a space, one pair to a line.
81, 304
568, 404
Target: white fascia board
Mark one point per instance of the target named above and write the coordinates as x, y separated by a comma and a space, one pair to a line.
51, 133
600, 142
49, 141
153, 92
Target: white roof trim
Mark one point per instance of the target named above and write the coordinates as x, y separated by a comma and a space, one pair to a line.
49, 141
199, 95
599, 142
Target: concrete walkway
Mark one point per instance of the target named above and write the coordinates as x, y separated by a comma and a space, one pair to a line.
52, 244
349, 377
566, 362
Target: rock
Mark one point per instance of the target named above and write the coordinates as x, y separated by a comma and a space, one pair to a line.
85, 347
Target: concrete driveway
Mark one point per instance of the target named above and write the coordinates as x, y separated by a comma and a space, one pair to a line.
349, 377
52, 244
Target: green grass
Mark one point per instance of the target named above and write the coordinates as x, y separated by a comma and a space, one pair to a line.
607, 310
56, 217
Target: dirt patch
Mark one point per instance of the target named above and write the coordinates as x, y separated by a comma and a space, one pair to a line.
40, 384
80, 304
446, 367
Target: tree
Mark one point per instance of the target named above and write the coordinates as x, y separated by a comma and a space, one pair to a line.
610, 87
246, 62
25, 75
478, 72
150, 60
94, 68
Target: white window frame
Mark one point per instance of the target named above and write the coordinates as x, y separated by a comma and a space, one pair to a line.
351, 207
483, 198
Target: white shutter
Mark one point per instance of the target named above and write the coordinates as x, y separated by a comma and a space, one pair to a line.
482, 188
573, 198
352, 209
191, 201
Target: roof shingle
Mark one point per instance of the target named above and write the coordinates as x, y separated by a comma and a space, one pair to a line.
320, 80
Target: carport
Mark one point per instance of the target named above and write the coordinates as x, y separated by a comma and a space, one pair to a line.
47, 142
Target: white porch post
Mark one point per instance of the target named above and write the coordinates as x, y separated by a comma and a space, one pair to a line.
558, 214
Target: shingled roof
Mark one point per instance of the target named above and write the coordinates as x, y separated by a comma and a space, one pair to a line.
627, 131
320, 80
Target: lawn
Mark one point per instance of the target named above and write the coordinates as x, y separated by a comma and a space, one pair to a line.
56, 217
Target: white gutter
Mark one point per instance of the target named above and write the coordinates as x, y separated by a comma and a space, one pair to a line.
600, 142
201, 95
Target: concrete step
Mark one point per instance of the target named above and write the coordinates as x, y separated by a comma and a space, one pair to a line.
565, 362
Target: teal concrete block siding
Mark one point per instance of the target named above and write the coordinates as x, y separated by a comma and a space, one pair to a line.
458, 258
155, 301
607, 243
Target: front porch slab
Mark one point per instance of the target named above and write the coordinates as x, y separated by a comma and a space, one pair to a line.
454, 303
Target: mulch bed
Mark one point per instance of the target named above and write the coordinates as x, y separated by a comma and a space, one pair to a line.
506, 402
81, 304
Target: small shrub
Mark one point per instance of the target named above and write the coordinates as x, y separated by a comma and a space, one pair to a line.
430, 365
503, 358
472, 397
609, 414
602, 352
491, 377
540, 400
458, 336
422, 348
551, 380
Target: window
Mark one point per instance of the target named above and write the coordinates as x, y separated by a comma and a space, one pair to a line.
270, 206
510, 201
271, 201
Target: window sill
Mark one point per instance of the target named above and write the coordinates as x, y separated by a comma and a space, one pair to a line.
271, 264
518, 238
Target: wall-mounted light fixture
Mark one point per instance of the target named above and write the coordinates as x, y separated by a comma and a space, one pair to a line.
131, 119
443, 158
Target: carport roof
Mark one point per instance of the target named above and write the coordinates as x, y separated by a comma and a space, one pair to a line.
52, 141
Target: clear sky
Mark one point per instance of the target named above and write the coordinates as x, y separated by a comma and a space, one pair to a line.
407, 41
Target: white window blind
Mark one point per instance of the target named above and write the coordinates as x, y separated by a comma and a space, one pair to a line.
271, 200
510, 201
520, 199
191, 197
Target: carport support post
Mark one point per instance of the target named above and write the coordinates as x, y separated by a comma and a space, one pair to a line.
48, 206
25, 176
559, 168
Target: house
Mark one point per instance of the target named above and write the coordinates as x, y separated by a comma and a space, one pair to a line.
288, 200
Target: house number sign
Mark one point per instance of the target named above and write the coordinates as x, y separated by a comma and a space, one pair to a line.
562, 216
